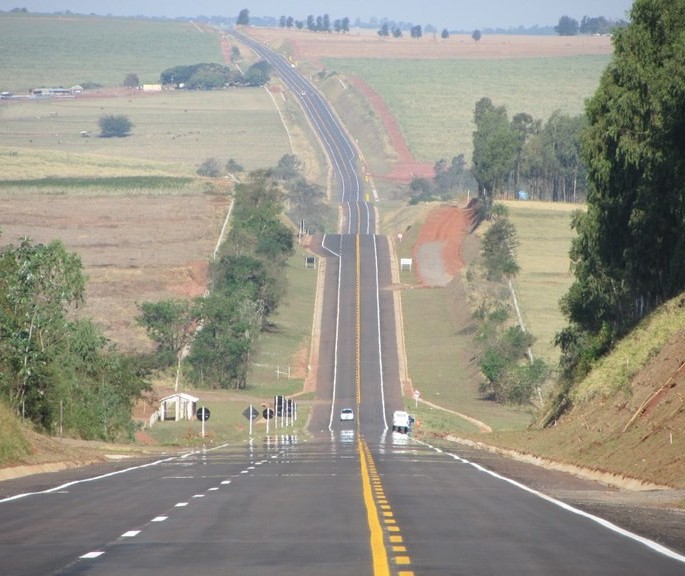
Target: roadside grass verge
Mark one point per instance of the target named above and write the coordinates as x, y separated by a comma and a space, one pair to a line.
361, 121
45, 51
440, 353
13, 444
433, 100
283, 348
226, 424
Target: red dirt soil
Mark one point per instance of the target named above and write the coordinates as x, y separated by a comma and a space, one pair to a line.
406, 166
446, 224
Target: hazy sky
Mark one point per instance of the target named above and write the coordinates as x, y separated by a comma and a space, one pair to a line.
451, 14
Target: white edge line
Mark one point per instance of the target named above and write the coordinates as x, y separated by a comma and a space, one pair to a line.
655, 546
109, 474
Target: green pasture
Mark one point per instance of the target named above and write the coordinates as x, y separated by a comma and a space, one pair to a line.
545, 235
63, 51
173, 133
433, 100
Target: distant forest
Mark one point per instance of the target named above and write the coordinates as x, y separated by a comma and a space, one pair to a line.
375, 23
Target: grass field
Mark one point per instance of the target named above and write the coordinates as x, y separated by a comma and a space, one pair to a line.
50, 51
434, 100
173, 132
545, 234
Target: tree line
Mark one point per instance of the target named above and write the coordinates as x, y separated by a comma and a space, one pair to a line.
59, 372
211, 76
218, 334
56, 368
568, 26
512, 155
628, 255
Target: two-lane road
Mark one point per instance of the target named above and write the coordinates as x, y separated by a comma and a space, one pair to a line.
352, 498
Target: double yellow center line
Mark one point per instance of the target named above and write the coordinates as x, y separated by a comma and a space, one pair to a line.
388, 552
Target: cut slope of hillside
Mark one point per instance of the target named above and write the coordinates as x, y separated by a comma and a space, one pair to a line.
628, 416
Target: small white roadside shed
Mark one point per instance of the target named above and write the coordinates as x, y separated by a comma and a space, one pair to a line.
179, 406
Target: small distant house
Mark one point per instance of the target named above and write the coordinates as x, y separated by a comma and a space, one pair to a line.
521, 195
179, 406
152, 87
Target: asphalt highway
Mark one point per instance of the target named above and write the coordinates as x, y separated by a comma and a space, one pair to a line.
350, 498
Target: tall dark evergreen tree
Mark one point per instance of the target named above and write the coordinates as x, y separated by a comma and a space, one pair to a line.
629, 253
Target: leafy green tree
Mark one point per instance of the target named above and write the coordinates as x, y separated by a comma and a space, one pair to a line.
421, 190
499, 250
232, 166
243, 18
567, 26
247, 282
476, 35
115, 126
221, 350
453, 177
550, 162
210, 168
289, 167
598, 25
445, 34
308, 205
524, 126
258, 74
203, 76
171, 324
39, 284
494, 149
416, 31
627, 258
630, 246
510, 377
384, 30
97, 384
132, 80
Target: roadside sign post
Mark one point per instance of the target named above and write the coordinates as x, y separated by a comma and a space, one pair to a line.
202, 414
417, 394
250, 413
268, 414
